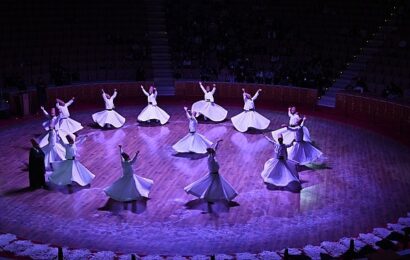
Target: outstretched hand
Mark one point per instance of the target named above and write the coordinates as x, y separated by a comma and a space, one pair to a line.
186, 108
42, 108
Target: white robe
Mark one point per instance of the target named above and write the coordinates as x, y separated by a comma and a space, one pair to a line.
303, 152
67, 124
249, 118
288, 132
280, 171
53, 151
61, 134
52, 120
109, 115
152, 111
212, 187
192, 142
65, 172
130, 186
208, 108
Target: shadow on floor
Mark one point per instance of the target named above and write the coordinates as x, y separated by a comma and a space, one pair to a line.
192, 156
135, 206
294, 187
216, 207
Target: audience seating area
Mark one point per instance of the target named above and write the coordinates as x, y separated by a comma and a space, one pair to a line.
74, 41
387, 74
298, 43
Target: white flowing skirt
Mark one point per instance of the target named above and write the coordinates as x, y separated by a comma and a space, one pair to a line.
304, 152
289, 135
210, 110
192, 142
129, 187
280, 172
65, 172
53, 153
69, 125
212, 187
61, 137
108, 117
248, 119
151, 112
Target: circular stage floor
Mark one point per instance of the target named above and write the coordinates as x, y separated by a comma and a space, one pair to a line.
363, 183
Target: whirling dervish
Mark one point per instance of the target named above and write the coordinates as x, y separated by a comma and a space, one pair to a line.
70, 170
249, 118
207, 107
152, 111
54, 151
130, 186
192, 142
279, 171
67, 124
53, 120
286, 130
303, 152
212, 187
109, 117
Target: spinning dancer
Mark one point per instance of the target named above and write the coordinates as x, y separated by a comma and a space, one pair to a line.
67, 124
52, 120
287, 132
303, 152
130, 186
249, 117
280, 171
65, 172
152, 111
212, 187
109, 117
207, 107
192, 142
53, 151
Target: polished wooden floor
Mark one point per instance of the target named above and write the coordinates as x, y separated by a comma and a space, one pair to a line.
363, 183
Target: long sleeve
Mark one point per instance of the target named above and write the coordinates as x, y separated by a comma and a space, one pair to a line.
145, 92
69, 102
114, 95
45, 113
188, 115
244, 97
203, 89
121, 151
133, 160
155, 93
303, 123
213, 90
289, 113
270, 140
255, 96
104, 97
